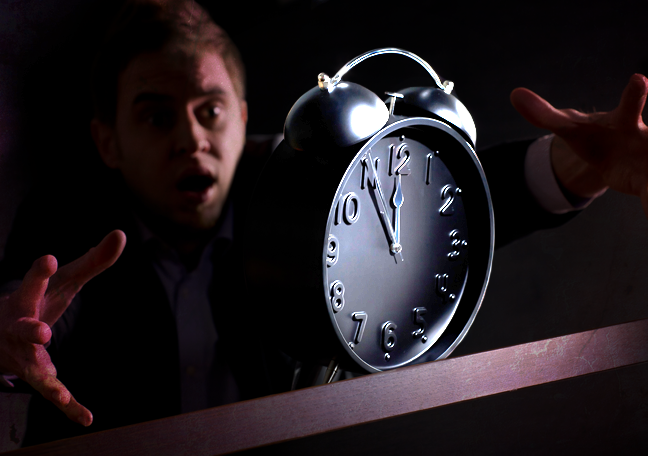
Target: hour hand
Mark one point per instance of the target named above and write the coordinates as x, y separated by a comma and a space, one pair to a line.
394, 245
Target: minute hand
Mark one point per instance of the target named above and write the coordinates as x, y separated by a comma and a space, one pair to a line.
398, 202
395, 247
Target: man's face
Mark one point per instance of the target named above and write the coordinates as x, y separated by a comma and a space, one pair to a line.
178, 134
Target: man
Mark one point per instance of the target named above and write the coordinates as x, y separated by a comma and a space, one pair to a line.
175, 133
152, 335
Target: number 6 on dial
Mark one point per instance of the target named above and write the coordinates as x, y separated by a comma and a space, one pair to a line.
389, 336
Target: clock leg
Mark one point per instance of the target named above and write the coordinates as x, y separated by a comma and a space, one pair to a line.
331, 370
307, 374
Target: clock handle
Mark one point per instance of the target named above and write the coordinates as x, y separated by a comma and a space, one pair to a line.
446, 85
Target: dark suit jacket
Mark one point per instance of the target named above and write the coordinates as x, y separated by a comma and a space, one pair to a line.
116, 347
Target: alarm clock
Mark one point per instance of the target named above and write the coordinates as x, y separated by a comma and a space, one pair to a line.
371, 233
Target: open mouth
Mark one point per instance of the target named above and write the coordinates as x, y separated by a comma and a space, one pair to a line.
196, 183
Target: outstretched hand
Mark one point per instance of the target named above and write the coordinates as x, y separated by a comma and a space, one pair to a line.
27, 315
592, 151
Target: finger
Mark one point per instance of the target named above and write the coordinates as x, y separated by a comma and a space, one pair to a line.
35, 283
96, 260
633, 100
42, 377
78, 413
540, 112
60, 396
70, 278
30, 331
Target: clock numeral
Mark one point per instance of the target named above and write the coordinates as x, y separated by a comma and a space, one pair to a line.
332, 250
338, 212
337, 295
417, 316
456, 244
347, 208
368, 174
361, 318
442, 284
442, 287
428, 167
351, 208
399, 158
389, 336
448, 195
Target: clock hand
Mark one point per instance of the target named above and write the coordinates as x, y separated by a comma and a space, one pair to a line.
395, 246
398, 202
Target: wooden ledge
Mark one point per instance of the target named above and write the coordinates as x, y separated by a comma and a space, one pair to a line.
376, 398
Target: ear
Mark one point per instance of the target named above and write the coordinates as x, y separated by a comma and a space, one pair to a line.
106, 141
244, 111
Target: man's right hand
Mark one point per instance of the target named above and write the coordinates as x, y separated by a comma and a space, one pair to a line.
27, 315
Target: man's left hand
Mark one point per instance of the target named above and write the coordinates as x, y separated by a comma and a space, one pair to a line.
592, 151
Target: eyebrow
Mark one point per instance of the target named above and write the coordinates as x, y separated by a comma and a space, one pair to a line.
160, 98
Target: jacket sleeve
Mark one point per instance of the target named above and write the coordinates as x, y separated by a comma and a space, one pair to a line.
517, 213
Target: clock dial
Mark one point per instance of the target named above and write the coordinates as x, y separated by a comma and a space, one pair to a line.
397, 249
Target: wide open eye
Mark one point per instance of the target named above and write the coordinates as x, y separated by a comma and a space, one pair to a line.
214, 111
211, 112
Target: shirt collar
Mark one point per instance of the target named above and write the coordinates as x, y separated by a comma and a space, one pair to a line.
225, 231
161, 249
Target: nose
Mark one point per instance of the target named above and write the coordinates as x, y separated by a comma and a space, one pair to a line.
190, 136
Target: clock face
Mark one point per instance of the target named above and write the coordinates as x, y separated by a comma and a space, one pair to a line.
397, 246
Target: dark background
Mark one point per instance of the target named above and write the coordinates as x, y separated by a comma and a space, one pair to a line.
586, 274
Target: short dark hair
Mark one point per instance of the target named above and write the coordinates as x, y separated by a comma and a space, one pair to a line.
144, 26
